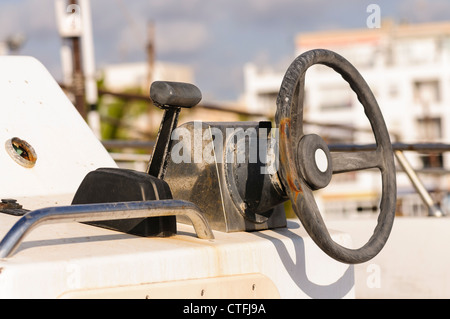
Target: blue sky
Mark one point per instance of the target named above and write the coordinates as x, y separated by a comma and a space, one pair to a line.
215, 37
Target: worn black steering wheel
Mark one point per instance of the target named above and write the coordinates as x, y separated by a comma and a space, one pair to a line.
301, 174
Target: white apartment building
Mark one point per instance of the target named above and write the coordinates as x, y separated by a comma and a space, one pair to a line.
408, 69
122, 76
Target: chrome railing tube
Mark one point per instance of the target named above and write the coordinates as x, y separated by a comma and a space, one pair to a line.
103, 211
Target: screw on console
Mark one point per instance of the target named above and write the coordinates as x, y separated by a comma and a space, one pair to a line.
10, 203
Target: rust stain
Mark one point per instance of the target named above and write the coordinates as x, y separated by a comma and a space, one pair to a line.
292, 185
285, 125
286, 158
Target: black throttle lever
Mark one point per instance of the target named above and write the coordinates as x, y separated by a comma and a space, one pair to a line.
170, 96
107, 185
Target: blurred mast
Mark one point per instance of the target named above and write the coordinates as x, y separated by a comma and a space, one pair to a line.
77, 55
87, 47
150, 48
77, 76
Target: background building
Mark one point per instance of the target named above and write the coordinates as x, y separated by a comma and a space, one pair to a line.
123, 76
408, 69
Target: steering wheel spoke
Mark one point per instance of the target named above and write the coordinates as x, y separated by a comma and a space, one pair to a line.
355, 161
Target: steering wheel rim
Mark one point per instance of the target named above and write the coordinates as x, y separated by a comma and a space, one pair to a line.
299, 187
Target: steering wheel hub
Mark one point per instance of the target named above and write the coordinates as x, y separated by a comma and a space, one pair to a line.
314, 161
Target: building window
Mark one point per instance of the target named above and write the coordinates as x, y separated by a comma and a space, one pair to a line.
393, 91
426, 92
432, 160
416, 51
430, 130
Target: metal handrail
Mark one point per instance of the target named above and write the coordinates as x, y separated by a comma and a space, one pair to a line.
398, 148
103, 211
335, 147
433, 208
417, 147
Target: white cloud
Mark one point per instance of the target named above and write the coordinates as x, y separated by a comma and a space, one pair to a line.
181, 37
423, 11
215, 37
34, 17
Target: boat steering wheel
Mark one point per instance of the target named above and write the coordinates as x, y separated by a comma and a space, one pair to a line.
301, 174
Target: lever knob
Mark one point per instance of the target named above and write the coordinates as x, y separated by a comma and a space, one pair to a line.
174, 94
